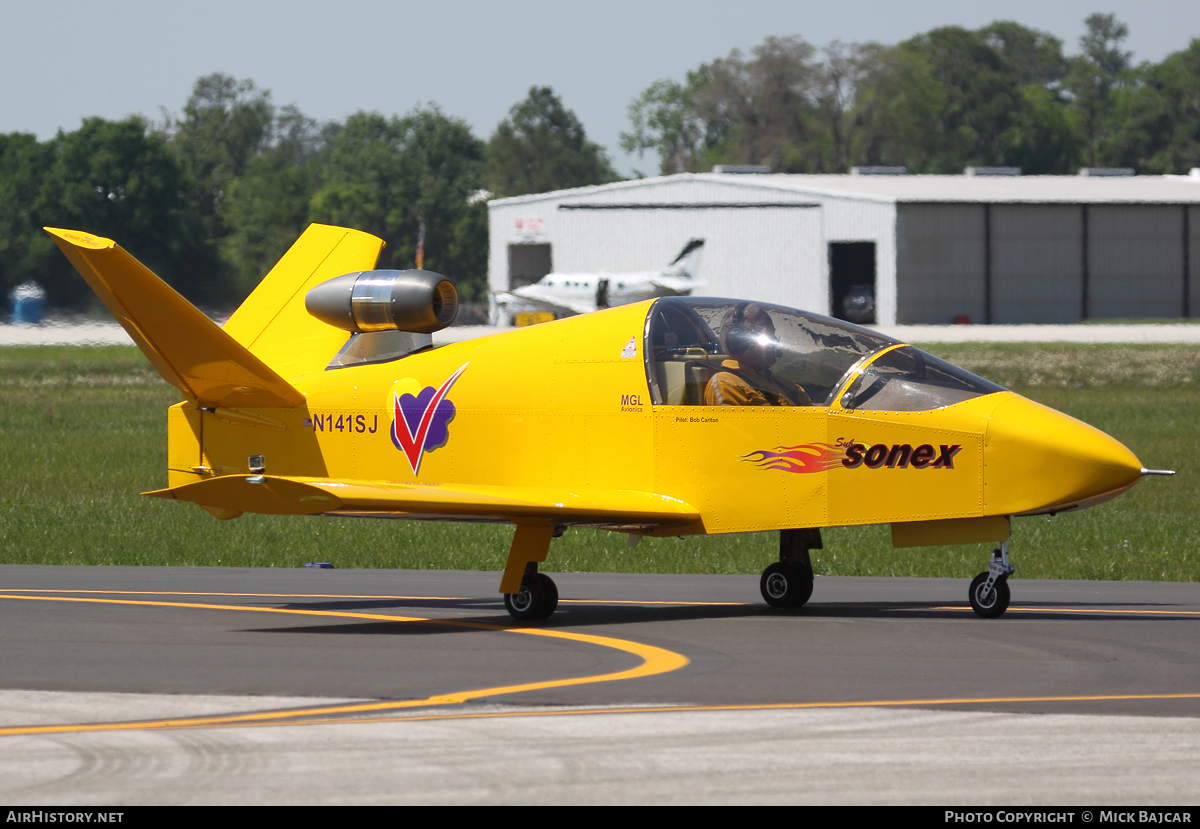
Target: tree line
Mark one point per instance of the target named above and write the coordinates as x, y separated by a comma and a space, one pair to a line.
212, 196
1002, 95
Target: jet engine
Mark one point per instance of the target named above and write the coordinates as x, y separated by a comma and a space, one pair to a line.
417, 301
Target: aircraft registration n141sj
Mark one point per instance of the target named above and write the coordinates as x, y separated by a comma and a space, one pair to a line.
323, 394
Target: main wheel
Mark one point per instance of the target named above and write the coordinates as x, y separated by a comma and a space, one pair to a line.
995, 602
551, 600
537, 598
784, 584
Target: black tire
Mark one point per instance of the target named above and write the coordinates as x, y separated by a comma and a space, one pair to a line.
537, 598
784, 584
550, 603
994, 604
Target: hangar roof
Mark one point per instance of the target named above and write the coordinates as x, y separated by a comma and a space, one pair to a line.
930, 188
1040, 189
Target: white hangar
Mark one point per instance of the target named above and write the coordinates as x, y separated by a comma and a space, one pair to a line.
936, 249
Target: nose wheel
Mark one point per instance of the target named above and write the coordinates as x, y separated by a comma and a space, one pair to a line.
989, 592
783, 584
537, 598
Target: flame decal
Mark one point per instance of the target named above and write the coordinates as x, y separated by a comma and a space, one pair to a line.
808, 457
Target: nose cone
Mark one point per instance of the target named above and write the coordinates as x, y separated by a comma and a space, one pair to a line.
1040, 460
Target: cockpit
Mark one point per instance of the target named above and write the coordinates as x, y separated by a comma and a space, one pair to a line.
697, 346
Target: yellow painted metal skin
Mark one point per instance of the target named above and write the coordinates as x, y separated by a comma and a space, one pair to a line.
524, 318
273, 323
554, 425
950, 531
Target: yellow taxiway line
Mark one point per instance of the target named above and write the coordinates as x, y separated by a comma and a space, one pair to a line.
654, 661
1083, 610
768, 706
352, 596
646, 602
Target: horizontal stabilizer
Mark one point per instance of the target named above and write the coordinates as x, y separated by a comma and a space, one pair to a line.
678, 284
188, 349
275, 495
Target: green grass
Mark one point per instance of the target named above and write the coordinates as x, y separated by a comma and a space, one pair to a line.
82, 432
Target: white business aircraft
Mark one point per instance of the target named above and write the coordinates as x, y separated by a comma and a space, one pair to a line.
565, 294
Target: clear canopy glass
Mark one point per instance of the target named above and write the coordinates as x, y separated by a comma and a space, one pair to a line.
719, 351
909, 380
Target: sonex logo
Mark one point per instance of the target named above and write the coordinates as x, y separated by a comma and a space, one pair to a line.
422, 421
900, 455
848, 453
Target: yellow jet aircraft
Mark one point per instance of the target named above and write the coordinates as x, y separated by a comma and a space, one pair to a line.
323, 395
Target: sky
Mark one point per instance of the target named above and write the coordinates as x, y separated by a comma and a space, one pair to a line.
64, 61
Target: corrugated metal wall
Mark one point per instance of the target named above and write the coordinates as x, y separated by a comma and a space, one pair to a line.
771, 252
934, 260
939, 263
1037, 263
852, 220
1032, 257
1193, 261
1135, 261
774, 254
522, 223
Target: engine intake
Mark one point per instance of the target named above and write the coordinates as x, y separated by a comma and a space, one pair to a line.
418, 301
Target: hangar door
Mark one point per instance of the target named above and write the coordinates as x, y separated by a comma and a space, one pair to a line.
527, 263
770, 252
940, 264
1036, 263
852, 281
1135, 260
1042, 263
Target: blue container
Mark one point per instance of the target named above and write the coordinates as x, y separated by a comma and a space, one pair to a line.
28, 311
28, 303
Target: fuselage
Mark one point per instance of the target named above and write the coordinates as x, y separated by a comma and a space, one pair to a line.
575, 404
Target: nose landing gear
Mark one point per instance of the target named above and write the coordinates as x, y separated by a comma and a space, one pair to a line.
989, 592
789, 581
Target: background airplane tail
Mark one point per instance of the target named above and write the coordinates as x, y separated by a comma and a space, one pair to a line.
687, 263
188, 349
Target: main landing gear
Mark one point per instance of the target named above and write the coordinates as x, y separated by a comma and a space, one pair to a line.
537, 598
529, 594
789, 581
989, 591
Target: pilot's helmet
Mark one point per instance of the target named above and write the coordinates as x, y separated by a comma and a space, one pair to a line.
743, 325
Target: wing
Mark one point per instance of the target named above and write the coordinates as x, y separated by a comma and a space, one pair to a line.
229, 495
545, 296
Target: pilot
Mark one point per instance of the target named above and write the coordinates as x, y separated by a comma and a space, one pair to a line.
748, 335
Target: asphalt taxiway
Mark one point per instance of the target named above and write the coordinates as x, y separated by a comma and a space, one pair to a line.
130, 685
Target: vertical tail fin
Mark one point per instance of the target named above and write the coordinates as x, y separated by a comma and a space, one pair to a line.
188, 349
273, 323
687, 263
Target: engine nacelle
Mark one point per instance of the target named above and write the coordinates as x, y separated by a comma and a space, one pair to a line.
418, 301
